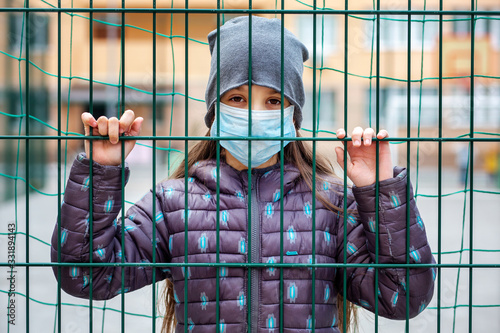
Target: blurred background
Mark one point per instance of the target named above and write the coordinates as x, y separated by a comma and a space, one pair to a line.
74, 67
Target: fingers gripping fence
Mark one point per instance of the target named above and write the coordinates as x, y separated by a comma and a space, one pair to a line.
51, 73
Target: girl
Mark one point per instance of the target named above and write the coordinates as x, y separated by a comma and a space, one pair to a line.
249, 302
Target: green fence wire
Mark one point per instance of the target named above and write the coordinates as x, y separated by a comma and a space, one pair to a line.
29, 126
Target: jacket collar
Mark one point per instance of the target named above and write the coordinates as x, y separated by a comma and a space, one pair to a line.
233, 181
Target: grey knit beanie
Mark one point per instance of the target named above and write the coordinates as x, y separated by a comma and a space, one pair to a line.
266, 61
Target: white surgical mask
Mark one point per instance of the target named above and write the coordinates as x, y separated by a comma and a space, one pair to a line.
265, 123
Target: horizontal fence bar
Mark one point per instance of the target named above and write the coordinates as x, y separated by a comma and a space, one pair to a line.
244, 265
129, 202
159, 316
135, 89
254, 11
202, 138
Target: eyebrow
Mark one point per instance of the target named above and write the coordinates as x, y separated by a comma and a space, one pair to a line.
240, 88
245, 88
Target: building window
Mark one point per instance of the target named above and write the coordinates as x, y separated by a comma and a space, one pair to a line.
424, 31
38, 108
495, 32
107, 26
326, 34
425, 107
486, 102
394, 32
461, 25
393, 107
456, 107
482, 27
38, 33
489, 27
325, 104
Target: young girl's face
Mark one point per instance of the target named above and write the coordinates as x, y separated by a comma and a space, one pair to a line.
263, 98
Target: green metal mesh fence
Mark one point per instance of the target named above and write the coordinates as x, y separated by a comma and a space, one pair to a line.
414, 68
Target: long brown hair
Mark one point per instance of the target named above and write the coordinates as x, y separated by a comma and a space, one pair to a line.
297, 153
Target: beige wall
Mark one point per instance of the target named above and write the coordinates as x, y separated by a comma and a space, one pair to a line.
139, 60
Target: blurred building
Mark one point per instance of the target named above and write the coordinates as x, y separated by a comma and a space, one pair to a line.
96, 52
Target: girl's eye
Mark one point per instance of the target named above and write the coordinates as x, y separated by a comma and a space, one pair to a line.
237, 99
274, 101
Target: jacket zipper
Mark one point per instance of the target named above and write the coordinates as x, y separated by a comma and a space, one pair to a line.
255, 252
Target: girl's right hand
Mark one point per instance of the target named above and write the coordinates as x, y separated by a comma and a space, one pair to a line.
109, 152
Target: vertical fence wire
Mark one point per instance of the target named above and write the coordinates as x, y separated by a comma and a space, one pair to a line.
282, 166
344, 208
59, 174
218, 160
313, 231
153, 169
252, 288
471, 159
217, 231
186, 169
27, 159
120, 110
27, 156
377, 193
440, 163
408, 164
91, 176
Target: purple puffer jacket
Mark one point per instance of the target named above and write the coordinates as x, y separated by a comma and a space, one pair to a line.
238, 245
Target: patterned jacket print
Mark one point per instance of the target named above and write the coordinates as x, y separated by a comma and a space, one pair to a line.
238, 296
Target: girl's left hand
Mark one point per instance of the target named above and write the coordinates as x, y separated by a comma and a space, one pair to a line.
361, 164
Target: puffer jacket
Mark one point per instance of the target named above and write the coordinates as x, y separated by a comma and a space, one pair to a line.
238, 245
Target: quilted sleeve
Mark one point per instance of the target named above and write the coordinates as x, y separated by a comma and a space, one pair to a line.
392, 288
107, 244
